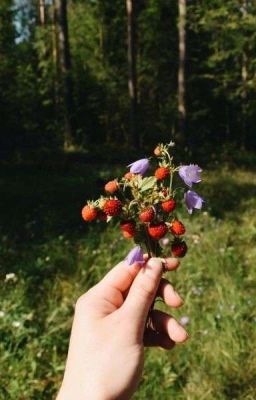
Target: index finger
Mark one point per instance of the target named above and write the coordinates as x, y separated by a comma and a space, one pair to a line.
121, 276
169, 263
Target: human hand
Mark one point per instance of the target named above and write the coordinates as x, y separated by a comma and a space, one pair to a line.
106, 351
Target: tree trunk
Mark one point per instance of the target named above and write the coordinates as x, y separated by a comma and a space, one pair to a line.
55, 52
181, 69
42, 12
64, 63
244, 75
132, 73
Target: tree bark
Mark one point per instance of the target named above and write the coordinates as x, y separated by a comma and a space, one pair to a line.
244, 75
42, 12
64, 63
181, 68
55, 52
132, 71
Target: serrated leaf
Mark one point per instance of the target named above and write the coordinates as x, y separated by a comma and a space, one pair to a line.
147, 183
139, 181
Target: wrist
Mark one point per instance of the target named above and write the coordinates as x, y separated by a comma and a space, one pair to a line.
76, 394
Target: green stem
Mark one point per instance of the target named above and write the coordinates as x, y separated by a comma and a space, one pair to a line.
171, 170
147, 243
148, 248
171, 178
154, 246
155, 253
169, 158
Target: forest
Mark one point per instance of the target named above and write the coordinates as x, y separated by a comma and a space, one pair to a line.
86, 88
76, 74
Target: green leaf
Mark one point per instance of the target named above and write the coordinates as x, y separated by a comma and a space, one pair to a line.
147, 183
139, 181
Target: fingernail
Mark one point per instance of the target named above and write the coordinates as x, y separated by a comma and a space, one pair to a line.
179, 299
154, 266
172, 262
177, 332
172, 259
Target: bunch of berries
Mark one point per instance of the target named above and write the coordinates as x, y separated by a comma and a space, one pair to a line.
146, 206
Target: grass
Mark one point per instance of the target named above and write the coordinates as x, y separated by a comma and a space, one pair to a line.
55, 258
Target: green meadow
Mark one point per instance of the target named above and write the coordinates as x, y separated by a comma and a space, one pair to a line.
49, 257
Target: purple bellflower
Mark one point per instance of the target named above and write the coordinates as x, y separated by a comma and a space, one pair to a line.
190, 174
135, 256
139, 167
193, 200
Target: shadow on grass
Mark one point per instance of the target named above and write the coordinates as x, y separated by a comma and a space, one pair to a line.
37, 204
40, 213
236, 387
40, 208
228, 197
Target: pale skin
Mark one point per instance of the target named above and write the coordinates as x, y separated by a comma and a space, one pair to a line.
110, 329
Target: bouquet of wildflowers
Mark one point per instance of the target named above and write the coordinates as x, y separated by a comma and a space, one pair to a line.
145, 206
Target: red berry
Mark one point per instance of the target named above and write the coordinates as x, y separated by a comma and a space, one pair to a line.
162, 173
112, 207
157, 230
165, 191
128, 229
168, 205
147, 215
179, 249
129, 176
157, 151
177, 228
111, 186
102, 216
89, 213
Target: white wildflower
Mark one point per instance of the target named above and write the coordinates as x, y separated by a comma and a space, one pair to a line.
11, 277
184, 320
164, 241
16, 324
196, 239
197, 290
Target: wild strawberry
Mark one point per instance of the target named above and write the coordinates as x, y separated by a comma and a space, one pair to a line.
157, 151
179, 249
147, 215
102, 216
129, 176
177, 228
168, 205
89, 213
111, 186
128, 229
112, 207
162, 173
165, 191
157, 230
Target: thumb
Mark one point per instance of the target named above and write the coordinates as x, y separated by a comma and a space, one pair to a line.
142, 292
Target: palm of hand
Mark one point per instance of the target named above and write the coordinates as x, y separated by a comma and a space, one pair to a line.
110, 327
